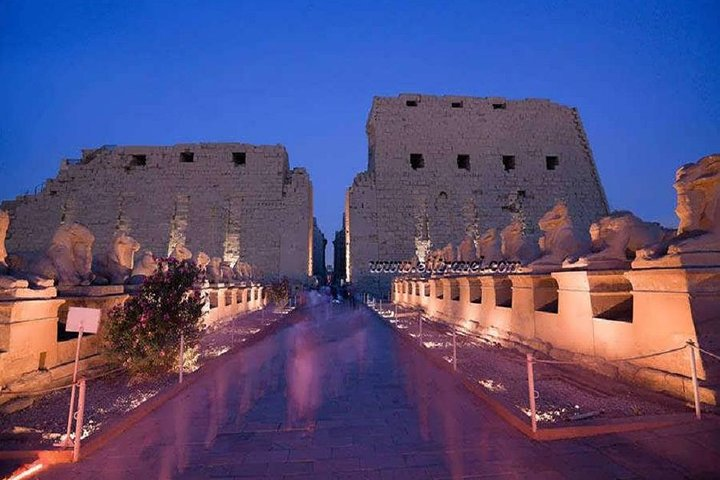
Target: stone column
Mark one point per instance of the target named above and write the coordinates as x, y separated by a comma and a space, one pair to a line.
672, 306
434, 303
532, 292
445, 304
242, 299
231, 295
496, 295
464, 313
423, 300
572, 328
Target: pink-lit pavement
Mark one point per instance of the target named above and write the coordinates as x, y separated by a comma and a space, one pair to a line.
338, 395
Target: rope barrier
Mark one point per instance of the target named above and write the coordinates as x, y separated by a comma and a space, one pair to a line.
532, 393
627, 359
717, 357
44, 391
568, 362
34, 392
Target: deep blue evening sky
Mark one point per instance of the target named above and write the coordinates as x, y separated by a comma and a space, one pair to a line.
644, 75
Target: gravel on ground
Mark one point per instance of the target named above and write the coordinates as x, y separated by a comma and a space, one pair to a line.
115, 394
565, 394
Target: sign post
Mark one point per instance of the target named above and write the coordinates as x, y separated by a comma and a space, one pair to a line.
81, 320
79, 422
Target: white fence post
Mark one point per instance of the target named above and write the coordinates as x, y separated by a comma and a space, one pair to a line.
531, 392
79, 421
454, 349
693, 369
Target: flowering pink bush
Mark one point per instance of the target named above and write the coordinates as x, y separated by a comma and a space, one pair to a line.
144, 333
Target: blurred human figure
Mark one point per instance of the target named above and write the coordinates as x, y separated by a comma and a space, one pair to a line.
303, 373
351, 296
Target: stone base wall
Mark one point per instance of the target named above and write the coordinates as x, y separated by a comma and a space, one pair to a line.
36, 352
595, 318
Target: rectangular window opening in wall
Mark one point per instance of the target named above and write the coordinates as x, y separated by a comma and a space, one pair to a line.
187, 157
454, 290
546, 296
64, 336
426, 290
550, 307
551, 162
411, 103
508, 162
499, 106
614, 302
457, 104
439, 289
503, 293
239, 158
138, 160
463, 162
475, 291
617, 307
213, 300
42, 362
417, 161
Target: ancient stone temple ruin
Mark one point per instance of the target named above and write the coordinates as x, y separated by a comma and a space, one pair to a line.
629, 305
233, 201
445, 170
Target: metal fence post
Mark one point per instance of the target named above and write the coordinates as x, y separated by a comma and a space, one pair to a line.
454, 349
693, 369
79, 421
68, 442
531, 392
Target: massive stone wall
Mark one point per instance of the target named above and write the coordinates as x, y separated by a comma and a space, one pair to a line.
441, 168
231, 200
339, 256
319, 268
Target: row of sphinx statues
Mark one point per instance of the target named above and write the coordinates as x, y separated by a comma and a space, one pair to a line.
69, 261
613, 241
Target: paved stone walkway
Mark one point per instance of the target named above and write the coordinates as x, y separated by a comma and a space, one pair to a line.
338, 395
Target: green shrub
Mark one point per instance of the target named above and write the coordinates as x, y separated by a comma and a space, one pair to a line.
144, 333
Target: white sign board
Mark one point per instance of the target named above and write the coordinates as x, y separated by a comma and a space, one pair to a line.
87, 319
